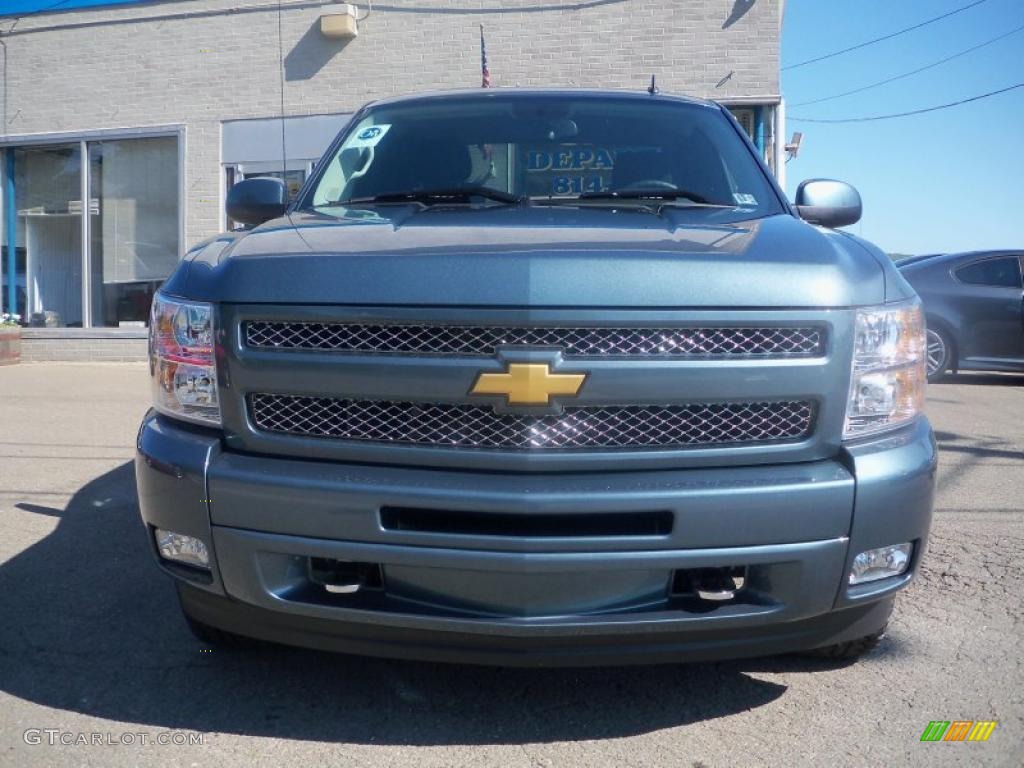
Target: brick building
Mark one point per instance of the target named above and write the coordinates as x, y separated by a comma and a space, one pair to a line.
151, 110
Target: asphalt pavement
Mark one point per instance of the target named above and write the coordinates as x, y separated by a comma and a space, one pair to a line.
93, 650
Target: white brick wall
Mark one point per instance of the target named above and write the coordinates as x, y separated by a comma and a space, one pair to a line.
39, 345
200, 62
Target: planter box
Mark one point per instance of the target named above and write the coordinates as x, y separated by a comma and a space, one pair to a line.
10, 345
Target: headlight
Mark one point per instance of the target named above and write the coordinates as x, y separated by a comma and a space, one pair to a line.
181, 360
887, 385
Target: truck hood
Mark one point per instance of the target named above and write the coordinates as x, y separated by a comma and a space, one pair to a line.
533, 257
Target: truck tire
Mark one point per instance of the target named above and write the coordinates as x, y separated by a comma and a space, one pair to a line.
851, 649
212, 636
218, 638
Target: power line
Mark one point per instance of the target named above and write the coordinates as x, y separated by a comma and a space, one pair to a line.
885, 37
907, 114
911, 72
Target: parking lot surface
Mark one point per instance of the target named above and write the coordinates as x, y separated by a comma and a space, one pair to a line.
91, 640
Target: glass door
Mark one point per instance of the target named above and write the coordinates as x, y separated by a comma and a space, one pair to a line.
48, 231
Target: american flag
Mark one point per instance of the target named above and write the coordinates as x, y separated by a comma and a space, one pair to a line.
485, 72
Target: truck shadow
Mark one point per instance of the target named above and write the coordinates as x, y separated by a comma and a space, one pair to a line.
90, 626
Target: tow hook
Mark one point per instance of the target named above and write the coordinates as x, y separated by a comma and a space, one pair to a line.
343, 577
712, 584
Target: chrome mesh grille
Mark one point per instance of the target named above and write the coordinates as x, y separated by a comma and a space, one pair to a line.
477, 426
476, 341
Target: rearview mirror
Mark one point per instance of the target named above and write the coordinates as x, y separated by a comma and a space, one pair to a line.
828, 203
254, 201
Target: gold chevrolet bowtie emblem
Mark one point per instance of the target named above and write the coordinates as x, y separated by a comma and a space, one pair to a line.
528, 384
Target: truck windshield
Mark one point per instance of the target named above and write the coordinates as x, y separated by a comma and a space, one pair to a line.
501, 149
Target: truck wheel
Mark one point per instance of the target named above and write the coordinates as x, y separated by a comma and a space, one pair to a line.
212, 636
851, 649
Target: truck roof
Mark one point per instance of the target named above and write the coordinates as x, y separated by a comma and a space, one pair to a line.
515, 92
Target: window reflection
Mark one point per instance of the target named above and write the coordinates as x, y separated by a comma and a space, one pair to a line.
134, 226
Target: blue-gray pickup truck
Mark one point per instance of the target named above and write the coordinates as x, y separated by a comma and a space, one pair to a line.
539, 377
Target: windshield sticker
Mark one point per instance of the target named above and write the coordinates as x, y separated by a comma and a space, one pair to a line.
744, 198
368, 137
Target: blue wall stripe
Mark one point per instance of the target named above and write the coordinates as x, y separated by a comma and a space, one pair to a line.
28, 7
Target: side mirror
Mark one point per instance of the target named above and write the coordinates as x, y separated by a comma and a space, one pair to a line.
828, 203
254, 201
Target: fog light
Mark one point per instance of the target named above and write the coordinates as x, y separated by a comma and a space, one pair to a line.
880, 563
182, 549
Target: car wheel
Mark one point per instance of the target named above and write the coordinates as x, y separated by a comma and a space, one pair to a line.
849, 650
939, 353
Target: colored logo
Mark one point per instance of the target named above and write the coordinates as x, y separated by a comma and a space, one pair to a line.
370, 133
959, 730
528, 384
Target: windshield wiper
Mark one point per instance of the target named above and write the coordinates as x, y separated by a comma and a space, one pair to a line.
436, 196
652, 194
652, 199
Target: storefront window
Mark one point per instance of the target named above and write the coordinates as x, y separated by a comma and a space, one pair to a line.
134, 225
132, 231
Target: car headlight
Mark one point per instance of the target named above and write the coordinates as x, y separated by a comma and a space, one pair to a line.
182, 366
887, 384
